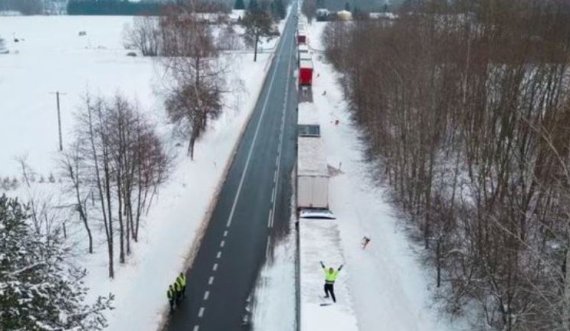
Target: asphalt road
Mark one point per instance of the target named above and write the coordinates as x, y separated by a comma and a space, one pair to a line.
252, 207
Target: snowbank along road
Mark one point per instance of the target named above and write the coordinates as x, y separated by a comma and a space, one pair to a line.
253, 203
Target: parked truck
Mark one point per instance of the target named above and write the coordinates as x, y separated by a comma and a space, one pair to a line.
301, 36
303, 53
305, 72
312, 172
305, 57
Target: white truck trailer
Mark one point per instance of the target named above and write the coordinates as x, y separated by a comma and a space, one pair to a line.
312, 170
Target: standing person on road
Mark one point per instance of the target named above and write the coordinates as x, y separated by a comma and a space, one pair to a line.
181, 280
171, 295
177, 291
330, 277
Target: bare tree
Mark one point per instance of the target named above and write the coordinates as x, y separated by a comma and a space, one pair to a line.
144, 35
92, 128
123, 161
72, 165
258, 23
228, 39
192, 62
28, 176
309, 9
135, 148
461, 105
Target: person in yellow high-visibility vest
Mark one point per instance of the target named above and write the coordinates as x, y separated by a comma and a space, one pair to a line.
330, 278
171, 295
177, 292
181, 282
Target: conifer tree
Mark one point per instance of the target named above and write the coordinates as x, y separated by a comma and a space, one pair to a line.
39, 288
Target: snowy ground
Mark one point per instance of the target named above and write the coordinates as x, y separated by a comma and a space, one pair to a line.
320, 241
389, 287
51, 57
275, 300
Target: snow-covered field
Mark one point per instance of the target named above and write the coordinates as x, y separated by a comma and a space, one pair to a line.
51, 56
388, 286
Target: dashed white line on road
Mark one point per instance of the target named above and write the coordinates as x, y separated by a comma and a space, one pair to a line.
252, 146
273, 195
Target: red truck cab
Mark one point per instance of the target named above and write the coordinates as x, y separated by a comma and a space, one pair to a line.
305, 72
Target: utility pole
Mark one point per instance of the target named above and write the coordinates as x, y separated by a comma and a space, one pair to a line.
59, 119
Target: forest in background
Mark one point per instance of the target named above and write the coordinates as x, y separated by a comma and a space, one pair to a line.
465, 109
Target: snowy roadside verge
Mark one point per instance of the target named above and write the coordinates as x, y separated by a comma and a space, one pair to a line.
389, 286
275, 291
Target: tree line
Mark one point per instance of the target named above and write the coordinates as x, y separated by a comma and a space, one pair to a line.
25, 7
113, 7
113, 169
120, 7
465, 109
